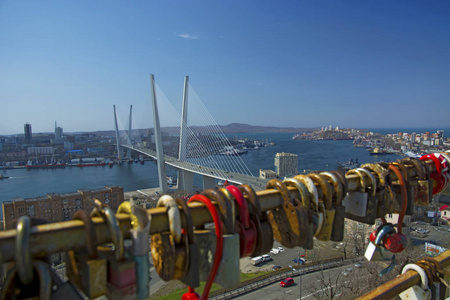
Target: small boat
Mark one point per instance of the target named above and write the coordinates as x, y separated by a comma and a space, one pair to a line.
91, 165
111, 164
3, 177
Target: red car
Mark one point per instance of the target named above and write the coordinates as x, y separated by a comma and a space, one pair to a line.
287, 282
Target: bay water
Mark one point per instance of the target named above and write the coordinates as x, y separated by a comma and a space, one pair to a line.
312, 155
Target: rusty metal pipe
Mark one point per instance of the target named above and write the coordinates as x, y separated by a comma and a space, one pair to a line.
402, 282
62, 236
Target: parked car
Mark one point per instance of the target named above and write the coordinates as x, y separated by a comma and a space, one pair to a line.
299, 260
274, 251
276, 267
345, 273
358, 265
287, 282
266, 257
257, 260
280, 249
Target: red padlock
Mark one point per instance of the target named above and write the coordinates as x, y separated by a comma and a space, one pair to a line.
245, 226
439, 180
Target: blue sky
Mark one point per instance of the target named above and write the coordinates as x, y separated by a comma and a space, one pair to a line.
282, 63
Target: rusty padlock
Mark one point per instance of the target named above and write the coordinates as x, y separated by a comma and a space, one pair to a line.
303, 206
121, 270
410, 191
305, 202
37, 288
264, 240
327, 199
420, 185
228, 274
192, 277
284, 220
337, 233
170, 249
85, 269
318, 209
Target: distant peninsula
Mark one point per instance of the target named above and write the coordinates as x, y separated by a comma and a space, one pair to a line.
230, 128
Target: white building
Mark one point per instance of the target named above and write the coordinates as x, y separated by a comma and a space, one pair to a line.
286, 164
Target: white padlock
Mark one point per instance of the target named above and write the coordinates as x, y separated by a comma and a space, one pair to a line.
416, 292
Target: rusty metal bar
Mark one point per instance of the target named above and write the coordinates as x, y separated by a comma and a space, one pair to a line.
62, 236
401, 283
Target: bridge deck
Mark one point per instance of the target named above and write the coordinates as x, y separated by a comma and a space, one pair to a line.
255, 182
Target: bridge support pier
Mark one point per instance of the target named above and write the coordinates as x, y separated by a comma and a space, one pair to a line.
208, 182
185, 181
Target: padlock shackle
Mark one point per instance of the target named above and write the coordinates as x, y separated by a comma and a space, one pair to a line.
302, 189
224, 209
91, 239
373, 182
338, 190
22, 254
248, 191
420, 169
219, 240
325, 188
173, 214
420, 271
342, 179
314, 194
381, 172
244, 215
437, 162
403, 170
404, 194
188, 219
116, 235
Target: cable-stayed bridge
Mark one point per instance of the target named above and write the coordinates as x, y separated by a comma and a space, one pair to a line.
203, 150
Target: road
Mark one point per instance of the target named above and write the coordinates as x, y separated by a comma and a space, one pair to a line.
310, 287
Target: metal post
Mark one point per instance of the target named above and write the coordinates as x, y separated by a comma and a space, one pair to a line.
158, 140
119, 158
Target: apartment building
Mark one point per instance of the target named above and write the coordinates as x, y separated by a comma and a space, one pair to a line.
59, 207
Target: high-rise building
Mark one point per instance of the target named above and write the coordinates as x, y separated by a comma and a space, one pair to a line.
27, 131
286, 164
58, 132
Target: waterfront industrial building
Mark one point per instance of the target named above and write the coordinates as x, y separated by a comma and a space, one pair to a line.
59, 207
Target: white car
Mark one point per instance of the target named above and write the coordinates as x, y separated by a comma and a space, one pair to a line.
266, 257
274, 251
280, 249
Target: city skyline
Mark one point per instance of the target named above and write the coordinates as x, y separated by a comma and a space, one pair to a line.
289, 64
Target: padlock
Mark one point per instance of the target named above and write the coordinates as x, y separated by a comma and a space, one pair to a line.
121, 270
337, 233
37, 288
303, 206
437, 178
245, 226
356, 202
373, 197
375, 250
416, 292
170, 249
284, 220
228, 274
409, 189
421, 185
210, 252
192, 277
140, 223
264, 240
85, 269
327, 199
318, 210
